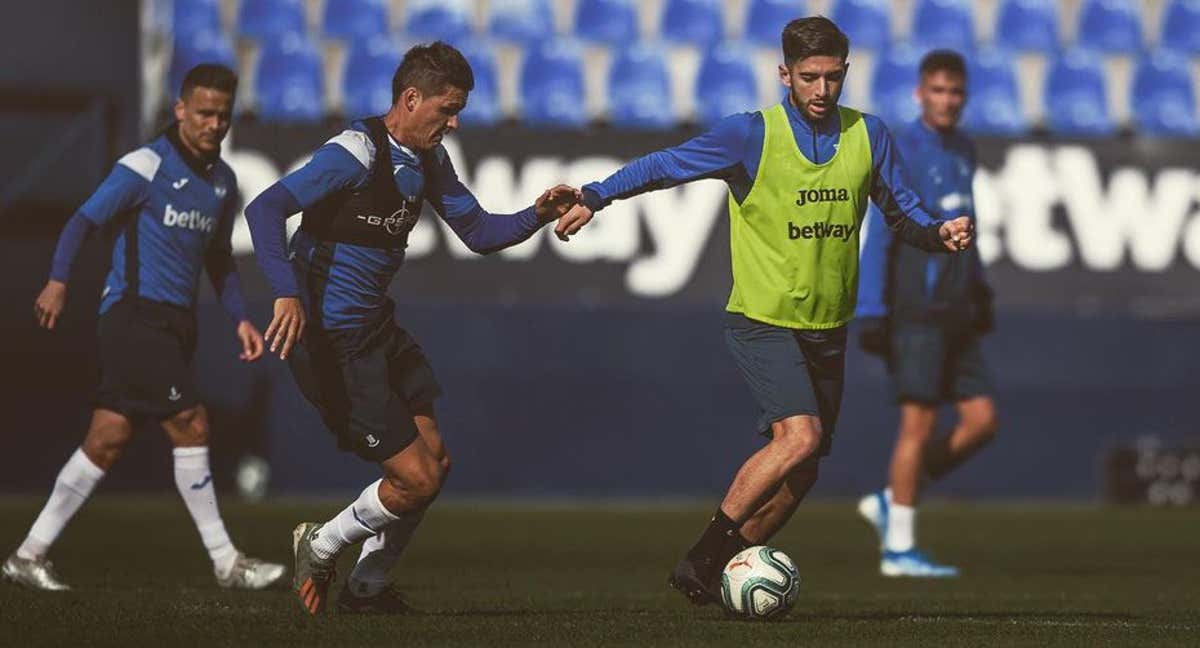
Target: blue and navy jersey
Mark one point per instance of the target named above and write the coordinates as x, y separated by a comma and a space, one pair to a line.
908, 284
171, 218
353, 279
732, 149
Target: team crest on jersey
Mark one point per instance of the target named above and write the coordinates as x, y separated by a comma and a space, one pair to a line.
220, 190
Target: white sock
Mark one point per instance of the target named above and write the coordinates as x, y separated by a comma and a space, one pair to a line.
902, 522
364, 518
75, 482
380, 553
194, 481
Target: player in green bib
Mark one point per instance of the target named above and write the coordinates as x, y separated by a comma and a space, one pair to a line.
800, 175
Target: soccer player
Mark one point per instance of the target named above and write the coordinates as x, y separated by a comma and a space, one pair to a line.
800, 174
172, 203
925, 314
361, 195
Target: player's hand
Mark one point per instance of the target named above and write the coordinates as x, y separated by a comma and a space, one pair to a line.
957, 234
573, 221
252, 341
49, 304
287, 326
555, 202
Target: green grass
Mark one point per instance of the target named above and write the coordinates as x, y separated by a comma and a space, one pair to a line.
499, 575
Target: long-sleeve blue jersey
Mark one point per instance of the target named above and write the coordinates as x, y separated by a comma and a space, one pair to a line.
907, 284
731, 152
356, 278
173, 215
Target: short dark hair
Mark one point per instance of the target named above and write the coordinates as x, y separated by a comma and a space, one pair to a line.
210, 75
813, 36
430, 68
944, 60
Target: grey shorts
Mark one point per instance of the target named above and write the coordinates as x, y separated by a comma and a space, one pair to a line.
934, 365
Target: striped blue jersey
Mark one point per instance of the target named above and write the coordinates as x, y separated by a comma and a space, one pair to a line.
170, 217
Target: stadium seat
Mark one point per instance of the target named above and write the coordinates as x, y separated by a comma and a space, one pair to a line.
448, 20
613, 22
639, 88
1076, 96
1165, 96
290, 84
194, 48
693, 22
355, 20
726, 83
1181, 26
944, 23
1027, 25
868, 23
892, 83
483, 105
367, 76
521, 21
1110, 26
552, 90
994, 106
196, 15
266, 19
765, 19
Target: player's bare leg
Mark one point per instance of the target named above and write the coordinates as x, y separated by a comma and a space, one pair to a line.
189, 432
772, 516
412, 479
760, 478
976, 428
917, 422
107, 436
367, 590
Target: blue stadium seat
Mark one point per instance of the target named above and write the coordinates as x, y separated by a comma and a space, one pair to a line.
194, 48
765, 19
266, 19
994, 106
639, 88
196, 15
521, 21
552, 90
483, 104
868, 23
448, 20
726, 83
693, 22
1076, 96
1110, 26
367, 76
1181, 26
355, 20
944, 23
1165, 96
614, 22
1027, 25
892, 83
290, 80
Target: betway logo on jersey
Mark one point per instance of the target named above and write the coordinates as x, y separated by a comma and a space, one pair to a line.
821, 231
806, 196
192, 220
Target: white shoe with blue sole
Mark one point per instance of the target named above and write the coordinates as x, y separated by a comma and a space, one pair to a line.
913, 564
874, 509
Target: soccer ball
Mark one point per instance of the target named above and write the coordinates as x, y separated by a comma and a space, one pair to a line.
760, 583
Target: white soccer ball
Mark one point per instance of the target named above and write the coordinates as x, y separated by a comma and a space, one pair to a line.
760, 583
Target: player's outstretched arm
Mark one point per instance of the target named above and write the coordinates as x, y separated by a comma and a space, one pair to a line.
52, 300
267, 217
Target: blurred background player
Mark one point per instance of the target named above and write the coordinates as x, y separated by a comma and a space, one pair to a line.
173, 203
361, 195
925, 314
800, 174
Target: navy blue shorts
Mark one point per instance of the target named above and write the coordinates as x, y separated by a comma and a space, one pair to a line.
934, 365
146, 350
367, 383
790, 371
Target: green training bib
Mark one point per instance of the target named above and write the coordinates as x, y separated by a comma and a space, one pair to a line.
794, 239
